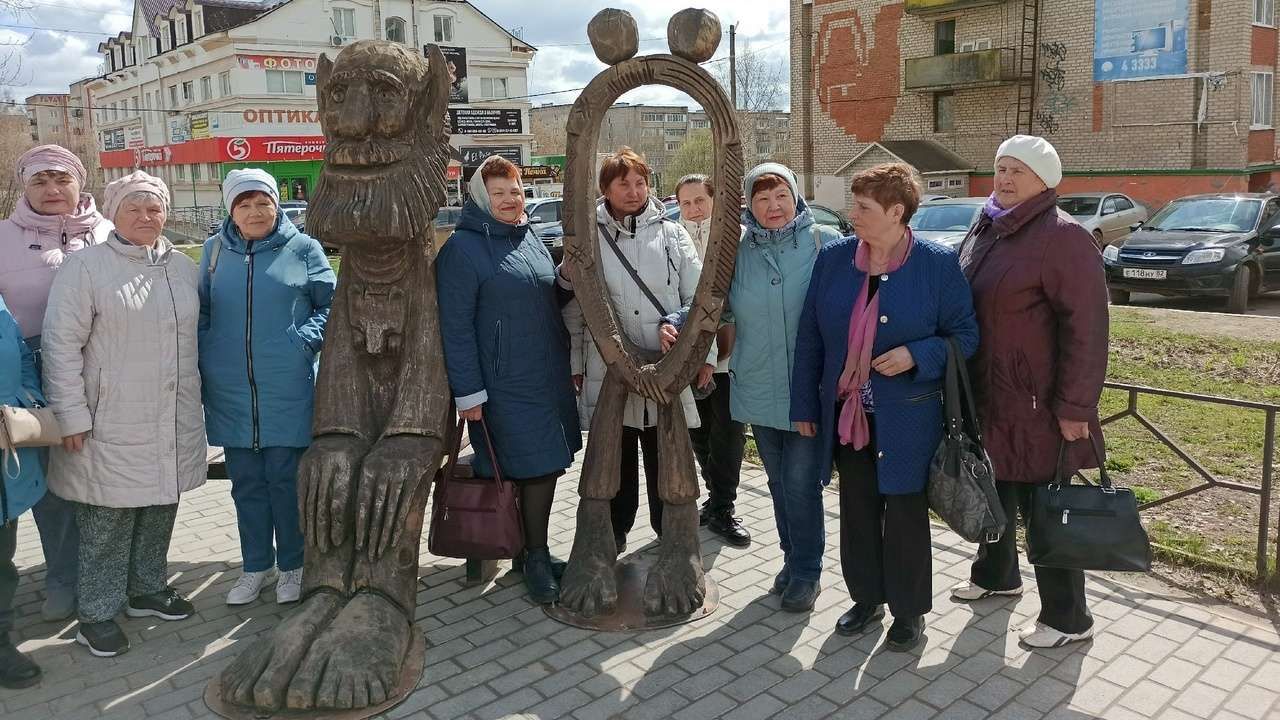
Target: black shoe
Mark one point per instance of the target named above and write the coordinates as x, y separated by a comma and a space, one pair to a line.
16, 669
800, 595
620, 541
104, 639
166, 605
704, 513
905, 633
859, 618
724, 524
780, 582
540, 578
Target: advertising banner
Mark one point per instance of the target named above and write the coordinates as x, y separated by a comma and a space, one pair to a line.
473, 155
134, 137
113, 139
485, 121
455, 59
242, 149
1139, 39
199, 126
179, 129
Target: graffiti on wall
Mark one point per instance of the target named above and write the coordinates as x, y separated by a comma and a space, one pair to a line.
1056, 104
859, 66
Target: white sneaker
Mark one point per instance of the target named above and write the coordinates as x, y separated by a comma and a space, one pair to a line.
247, 588
1039, 635
289, 586
968, 592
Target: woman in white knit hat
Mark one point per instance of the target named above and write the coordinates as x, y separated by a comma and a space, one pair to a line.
265, 292
120, 373
1040, 296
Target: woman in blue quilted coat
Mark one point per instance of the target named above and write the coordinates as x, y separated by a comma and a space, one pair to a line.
871, 353
506, 351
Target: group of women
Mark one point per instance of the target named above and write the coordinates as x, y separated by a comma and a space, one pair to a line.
146, 358
832, 349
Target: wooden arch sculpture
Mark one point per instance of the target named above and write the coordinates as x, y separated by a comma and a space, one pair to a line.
675, 585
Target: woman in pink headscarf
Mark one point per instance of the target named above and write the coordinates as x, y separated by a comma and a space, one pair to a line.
52, 219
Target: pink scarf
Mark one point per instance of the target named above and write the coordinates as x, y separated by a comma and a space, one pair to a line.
853, 427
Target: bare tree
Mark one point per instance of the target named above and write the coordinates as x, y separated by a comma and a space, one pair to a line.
761, 79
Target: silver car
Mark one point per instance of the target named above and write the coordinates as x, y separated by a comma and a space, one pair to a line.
946, 221
1107, 216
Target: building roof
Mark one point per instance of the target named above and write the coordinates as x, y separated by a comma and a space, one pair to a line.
926, 156
153, 8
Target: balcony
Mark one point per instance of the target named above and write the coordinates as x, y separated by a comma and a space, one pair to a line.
961, 70
930, 7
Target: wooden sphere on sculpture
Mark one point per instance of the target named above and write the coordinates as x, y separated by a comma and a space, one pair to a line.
614, 36
694, 34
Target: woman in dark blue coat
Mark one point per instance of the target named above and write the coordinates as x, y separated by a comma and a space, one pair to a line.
507, 354
870, 357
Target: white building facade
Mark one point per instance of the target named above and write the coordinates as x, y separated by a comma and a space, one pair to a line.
199, 87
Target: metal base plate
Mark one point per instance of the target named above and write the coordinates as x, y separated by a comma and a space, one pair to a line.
630, 573
410, 676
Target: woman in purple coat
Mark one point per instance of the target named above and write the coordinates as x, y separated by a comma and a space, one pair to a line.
1041, 300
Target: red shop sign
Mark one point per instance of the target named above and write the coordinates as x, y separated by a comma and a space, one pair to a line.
194, 151
289, 147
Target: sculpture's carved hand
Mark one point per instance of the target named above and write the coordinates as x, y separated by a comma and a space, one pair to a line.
326, 477
393, 471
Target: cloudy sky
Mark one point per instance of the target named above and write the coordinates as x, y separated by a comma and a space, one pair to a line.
52, 43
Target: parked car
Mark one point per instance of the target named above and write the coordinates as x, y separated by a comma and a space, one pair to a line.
946, 221
543, 211
1106, 215
824, 215
931, 198
1218, 245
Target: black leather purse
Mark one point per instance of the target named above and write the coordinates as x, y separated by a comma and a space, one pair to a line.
962, 488
1086, 527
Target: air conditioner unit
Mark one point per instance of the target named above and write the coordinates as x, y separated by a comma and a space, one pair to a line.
336, 41
983, 44
966, 47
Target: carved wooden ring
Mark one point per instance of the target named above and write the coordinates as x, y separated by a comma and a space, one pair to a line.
664, 380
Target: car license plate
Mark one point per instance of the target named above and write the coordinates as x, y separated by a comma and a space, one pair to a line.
1145, 274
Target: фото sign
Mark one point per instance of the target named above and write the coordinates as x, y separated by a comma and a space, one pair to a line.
485, 121
1139, 39
277, 62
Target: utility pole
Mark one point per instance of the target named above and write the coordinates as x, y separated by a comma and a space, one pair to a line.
806, 96
733, 65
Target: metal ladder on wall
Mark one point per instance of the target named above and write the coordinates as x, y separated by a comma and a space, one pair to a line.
1028, 48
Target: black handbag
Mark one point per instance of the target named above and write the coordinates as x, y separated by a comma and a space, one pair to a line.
962, 488
1086, 527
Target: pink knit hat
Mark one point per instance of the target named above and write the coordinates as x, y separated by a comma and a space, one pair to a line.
50, 157
137, 181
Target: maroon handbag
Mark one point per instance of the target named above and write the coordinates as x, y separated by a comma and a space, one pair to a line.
474, 518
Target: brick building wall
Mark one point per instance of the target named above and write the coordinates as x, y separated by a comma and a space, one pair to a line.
1110, 135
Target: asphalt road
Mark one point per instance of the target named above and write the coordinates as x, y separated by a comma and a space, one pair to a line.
1267, 305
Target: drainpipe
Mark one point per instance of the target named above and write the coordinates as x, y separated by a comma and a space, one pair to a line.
413, 12
378, 30
806, 102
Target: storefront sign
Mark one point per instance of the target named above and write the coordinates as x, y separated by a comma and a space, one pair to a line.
539, 172
277, 62
1139, 39
179, 129
199, 126
274, 148
219, 149
153, 156
309, 78
473, 155
134, 137
485, 121
113, 139
455, 59
262, 116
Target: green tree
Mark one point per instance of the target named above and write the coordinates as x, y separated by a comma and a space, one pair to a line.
696, 155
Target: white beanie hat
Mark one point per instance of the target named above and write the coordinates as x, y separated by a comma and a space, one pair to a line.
239, 182
1038, 155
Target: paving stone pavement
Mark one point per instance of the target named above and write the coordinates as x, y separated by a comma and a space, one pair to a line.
493, 655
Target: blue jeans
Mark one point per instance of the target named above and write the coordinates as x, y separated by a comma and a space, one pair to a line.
792, 462
264, 487
60, 541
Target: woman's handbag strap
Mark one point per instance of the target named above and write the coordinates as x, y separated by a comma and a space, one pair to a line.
1104, 481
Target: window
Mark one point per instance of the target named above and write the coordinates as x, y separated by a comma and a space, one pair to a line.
675, 117
763, 124
955, 182
649, 132
188, 92
673, 146
287, 82
133, 103
198, 25
935, 184
651, 117
944, 37
443, 28
944, 112
344, 22
146, 101
493, 87
173, 96
675, 132
700, 124
1122, 203
395, 29
1109, 206
545, 212
1263, 99
206, 88
195, 171
181, 171
115, 111
1264, 12
224, 83
764, 148
182, 32
784, 123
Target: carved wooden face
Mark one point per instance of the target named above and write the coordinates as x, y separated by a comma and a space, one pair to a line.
382, 110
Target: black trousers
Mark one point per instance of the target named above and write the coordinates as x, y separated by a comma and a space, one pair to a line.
719, 445
1062, 603
8, 576
626, 503
885, 551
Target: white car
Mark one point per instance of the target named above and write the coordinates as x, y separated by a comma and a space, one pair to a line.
1108, 216
946, 221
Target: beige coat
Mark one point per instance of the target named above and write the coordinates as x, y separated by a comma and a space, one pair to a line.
120, 362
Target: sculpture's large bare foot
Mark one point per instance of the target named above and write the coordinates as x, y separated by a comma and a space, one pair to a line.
676, 584
260, 676
588, 587
356, 662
